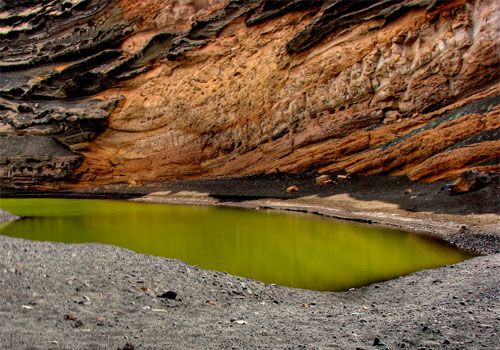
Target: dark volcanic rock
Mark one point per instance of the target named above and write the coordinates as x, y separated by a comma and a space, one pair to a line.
29, 152
470, 181
273, 9
44, 32
32, 159
168, 295
338, 15
70, 122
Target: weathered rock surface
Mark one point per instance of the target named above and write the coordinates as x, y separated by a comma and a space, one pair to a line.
159, 90
29, 159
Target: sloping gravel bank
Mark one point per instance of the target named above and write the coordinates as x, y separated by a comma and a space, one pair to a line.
92, 296
5, 216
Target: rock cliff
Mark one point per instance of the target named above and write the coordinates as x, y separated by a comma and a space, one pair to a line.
97, 92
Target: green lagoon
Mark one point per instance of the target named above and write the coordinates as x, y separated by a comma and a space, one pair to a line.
296, 250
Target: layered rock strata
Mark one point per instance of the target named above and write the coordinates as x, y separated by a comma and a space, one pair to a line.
160, 90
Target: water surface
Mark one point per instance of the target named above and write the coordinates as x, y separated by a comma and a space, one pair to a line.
294, 250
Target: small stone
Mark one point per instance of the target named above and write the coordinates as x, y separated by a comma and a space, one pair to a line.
128, 346
240, 322
292, 189
323, 180
446, 342
469, 181
70, 317
272, 171
343, 177
212, 303
77, 323
482, 325
391, 117
168, 295
26, 307
408, 191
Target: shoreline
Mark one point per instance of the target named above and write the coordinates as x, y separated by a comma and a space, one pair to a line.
94, 296
478, 235
469, 221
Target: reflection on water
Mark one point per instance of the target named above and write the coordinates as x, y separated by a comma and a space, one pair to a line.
292, 250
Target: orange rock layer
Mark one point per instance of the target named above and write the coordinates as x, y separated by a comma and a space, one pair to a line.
241, 105
407, 96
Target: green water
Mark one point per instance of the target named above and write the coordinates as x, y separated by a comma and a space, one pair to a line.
292, 250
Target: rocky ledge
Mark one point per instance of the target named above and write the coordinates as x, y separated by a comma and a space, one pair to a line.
160, 90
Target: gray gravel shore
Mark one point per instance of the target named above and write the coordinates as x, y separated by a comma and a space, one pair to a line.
93, 296
5, 216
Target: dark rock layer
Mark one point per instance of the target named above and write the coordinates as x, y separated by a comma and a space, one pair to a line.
30, 159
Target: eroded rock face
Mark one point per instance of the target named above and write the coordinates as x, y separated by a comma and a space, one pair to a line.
30, 159
157, 90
